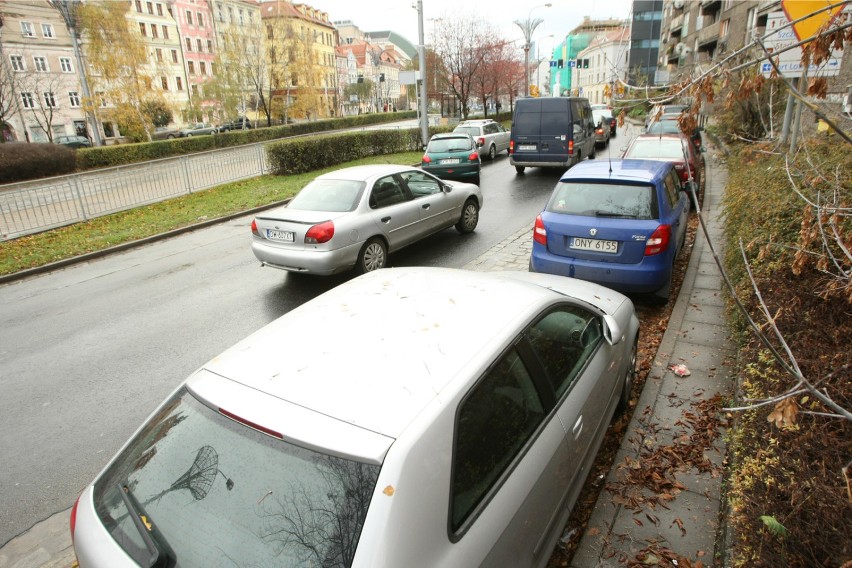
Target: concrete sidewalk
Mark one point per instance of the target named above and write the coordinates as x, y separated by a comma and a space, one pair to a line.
629, 519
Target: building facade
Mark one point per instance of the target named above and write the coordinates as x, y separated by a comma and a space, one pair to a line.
645, 28
565, 53
195, 26
602, 66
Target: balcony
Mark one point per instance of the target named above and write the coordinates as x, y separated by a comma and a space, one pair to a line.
705, 4
677, 22
708, 33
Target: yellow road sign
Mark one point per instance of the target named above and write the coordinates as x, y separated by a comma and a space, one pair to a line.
795, 9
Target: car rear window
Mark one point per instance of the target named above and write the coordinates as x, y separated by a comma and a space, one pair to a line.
333, 195
656, 148
459, 144
472, 130
210, 489
591, 199
663, 127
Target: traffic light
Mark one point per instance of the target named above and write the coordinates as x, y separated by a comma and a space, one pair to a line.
585, 64
560, 64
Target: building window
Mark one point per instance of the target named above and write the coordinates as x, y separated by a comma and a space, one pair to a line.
154, 33
165, 32
150, 6
159, 9
65, 65
18, 62
198, 44
49, 100
179, 83
188, 44
241, 16
219, 13
40, 64
27, 29
174, 56
74, 99
212, 69
159, 54
194, 90
165, 82
202, 68
142, 29
139, 6
27, 100
47, 31
723, 28
210, 46
199, 19
190, 65
189, 17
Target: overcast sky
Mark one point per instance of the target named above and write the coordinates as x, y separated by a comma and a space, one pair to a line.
401, 15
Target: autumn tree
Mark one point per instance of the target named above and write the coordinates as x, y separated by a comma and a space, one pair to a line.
242, 78
9, 98
121, 76
486, 81
459, 45
305, 77
42, 89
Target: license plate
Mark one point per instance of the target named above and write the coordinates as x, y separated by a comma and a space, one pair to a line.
526, 147
286, 236
594, 245
450, 161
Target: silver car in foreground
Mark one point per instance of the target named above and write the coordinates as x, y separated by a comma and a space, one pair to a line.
409, 417
352, 218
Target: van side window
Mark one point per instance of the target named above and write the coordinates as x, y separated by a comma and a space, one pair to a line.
494, 422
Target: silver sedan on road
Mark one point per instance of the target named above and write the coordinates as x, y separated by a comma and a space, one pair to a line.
409, 417
352, 218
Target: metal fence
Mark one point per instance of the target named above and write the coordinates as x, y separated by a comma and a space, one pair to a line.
33, 206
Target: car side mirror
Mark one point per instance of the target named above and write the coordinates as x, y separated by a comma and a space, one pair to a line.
611, 331
446, 187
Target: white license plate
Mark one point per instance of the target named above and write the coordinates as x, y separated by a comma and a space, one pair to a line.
286, 236
526, 147
450, 161
594, 245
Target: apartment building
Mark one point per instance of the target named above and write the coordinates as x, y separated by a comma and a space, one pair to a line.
241, 57
197, 38
601, 66
39, 82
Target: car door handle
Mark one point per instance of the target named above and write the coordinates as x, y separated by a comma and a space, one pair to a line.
385, 219
426, 206
578, 427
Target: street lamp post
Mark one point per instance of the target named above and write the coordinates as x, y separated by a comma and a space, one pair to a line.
528, 26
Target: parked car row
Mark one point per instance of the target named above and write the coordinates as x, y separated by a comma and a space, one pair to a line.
402, 398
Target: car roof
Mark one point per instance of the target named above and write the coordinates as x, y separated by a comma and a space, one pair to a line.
364, 173
475, 122
620, 169
450, 135
374, 352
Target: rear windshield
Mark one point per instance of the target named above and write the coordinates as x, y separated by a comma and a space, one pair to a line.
591, 199
218, 493
450, 145
337, 195
472, 130
656, 148
663, 127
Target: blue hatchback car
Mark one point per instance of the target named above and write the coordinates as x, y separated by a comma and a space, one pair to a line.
620, 224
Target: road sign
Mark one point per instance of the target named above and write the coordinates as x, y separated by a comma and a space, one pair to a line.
789, 63
796, 9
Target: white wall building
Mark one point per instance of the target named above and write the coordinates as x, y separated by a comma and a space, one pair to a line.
601, 65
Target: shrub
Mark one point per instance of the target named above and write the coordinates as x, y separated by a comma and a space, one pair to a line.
20, 162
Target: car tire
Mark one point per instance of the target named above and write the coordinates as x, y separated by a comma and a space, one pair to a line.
520, 169
492, 152
170, 137
373, 256
629, 378
189, 135
469, 217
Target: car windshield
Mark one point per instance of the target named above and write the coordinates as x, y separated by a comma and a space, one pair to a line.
333, 195
656, 148
449, 145
219, 493
593, 199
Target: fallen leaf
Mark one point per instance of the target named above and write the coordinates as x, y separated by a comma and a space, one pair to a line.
389, 490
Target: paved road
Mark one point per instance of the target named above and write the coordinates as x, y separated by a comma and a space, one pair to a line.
87, 352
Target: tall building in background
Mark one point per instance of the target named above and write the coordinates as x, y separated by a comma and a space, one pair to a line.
645, 27
565, 54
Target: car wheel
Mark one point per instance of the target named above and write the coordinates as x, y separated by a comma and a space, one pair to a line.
520, 169
373, 256
593, 153
469, 217
170, 136
629, 378
492, 152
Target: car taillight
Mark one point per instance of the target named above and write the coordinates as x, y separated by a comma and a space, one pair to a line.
254, 230
659, 240
73, 520
511, 146
473, 157
570, 147
539, 232
480, 141
426, 159
321, 233
682, 172
599, 131
250, 424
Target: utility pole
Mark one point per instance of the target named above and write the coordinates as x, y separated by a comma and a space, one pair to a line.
421, 47
528, 26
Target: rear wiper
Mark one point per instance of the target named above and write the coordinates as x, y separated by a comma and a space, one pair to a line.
611, 214
160, 554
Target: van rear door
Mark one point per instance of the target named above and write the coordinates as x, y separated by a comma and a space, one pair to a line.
541, 131
556, 130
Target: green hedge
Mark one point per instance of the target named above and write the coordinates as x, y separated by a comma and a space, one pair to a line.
20, 162
300, 155
106, 156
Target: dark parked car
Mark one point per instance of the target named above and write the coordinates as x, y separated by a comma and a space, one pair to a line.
241, 123
165, 133
619, 224
73, 141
